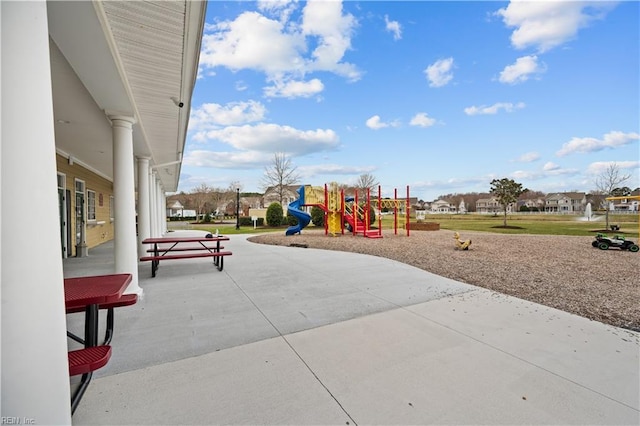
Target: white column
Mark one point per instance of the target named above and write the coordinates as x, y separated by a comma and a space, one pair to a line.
144, 214
152, 204
158, 204
163, 212
126, 253
35, 372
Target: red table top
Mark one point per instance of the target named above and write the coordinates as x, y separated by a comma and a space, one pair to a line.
96, 289
183, 239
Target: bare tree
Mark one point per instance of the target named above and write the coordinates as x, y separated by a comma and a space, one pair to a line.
231, 194
280, 174
366, 181
201, 195
608, 182
218, 197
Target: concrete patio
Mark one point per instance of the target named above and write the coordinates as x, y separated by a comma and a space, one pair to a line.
289, 335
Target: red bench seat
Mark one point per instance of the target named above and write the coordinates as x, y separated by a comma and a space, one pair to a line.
217, 255
83, 361
86, 361
194, 248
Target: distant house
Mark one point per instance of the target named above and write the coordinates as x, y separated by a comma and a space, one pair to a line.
565, 202
532, 204
625, 204
442, 206
175, 209
290, 193
488, 205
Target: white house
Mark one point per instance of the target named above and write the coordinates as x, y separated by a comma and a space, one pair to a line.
95, 107
442, 206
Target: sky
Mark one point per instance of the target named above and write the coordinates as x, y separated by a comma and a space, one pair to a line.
442, 97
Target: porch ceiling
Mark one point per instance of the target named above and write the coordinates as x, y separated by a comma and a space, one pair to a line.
137, 58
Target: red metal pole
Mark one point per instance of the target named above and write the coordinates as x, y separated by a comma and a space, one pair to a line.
354, 212
395, 211
408, 207
326, 210
379, 211
367, 212
342, 211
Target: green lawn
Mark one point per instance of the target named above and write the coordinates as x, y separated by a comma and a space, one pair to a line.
530, 223
546, 224
227, 229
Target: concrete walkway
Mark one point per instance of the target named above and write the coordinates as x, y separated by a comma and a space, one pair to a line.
300, 336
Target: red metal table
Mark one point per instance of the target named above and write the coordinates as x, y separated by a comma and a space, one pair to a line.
162, 246
88, 293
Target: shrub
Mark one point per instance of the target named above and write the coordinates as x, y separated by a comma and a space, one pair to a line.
246, 221
317, 216
274, 214
291, 220
372, 214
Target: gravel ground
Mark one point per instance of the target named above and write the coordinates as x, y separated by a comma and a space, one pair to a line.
563, 272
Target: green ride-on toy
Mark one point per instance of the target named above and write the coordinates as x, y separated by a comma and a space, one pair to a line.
604, 242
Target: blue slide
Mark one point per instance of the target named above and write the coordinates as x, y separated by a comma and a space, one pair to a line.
294, 210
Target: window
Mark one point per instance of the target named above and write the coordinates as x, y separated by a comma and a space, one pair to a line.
62, 181
91, 205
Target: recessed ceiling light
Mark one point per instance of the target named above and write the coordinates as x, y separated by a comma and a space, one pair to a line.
63, 122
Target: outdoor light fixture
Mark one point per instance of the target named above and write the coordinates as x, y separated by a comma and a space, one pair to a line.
237, 208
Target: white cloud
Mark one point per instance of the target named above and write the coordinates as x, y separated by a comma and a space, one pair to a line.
272, 138
324, 19
253, 41
528, 157
279, 47
493, 109
548, 170
294, 89
440, 72
228, 160
547, 24
611, 140
600, 167
393, 27
333, 169
422, 119
376, 123
279, 8
521, 70
211, 115
549, 166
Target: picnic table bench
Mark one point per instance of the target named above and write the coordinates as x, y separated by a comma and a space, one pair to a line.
173, 248
88, 295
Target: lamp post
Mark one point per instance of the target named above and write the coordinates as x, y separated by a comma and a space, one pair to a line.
237, 208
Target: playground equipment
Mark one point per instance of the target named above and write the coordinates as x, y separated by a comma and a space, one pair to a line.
344, 211
460, 244
294, 209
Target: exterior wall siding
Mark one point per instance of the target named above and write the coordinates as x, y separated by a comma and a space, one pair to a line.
97, 232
